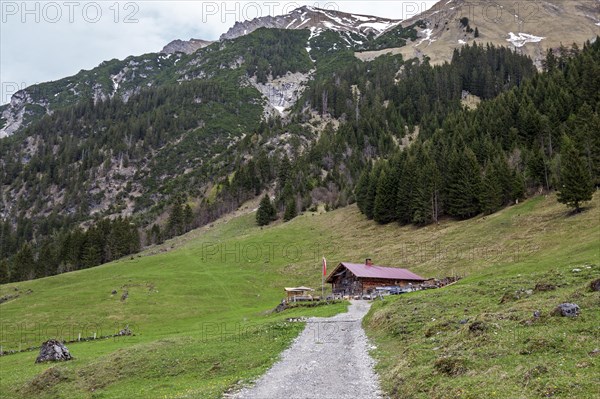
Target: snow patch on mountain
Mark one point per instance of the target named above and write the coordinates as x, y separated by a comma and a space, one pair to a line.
303, 22
427, 33
523, 38
363, 18
379, 26
314, 32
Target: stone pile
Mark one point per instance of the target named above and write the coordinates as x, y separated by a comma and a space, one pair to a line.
53, 351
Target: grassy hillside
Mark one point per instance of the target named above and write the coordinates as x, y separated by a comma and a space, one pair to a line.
463, 340
198, 312
199, 309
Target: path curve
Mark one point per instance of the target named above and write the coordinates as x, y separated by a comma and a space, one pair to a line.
328, 360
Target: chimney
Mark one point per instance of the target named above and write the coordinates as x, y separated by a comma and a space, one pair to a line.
368, 262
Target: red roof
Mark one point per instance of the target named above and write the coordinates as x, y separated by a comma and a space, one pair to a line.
375, 271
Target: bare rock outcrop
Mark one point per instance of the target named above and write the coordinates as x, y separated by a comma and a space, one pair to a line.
185, 46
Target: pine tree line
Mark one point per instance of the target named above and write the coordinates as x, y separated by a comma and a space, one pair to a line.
107, 240
542, 134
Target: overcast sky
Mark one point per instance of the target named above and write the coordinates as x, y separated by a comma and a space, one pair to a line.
48, 40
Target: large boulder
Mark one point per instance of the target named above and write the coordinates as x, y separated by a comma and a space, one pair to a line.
53, 351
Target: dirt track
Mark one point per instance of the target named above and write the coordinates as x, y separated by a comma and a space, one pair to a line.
328, 360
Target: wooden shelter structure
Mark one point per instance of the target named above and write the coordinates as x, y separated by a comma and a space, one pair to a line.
295, 294
358, 279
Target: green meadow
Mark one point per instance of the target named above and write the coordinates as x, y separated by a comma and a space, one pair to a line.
480, 338
200, 308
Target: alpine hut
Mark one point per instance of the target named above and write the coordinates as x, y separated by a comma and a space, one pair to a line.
357, 279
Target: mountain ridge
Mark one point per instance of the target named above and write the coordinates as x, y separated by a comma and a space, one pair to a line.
185, 46
439, 32
315, 19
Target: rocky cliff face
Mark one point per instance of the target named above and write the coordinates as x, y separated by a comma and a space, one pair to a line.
185, 46
315, 18
282, 93
13, 114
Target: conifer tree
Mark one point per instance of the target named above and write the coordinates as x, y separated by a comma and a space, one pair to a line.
7, 246
188, 217
504, 176
464, 184
491, 191
384, 210
407, 184
155, 235
550, 61
576, 183
91, 255
4, 272
23, 265
372, 192
290, 210
266, 211
175, 224
426, 202
284, 172
537, 169
286, 195
47, 262
362, 189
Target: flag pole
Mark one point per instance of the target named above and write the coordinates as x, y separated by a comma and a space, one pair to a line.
324, 267
322, 286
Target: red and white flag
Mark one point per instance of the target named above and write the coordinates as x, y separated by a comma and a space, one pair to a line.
324, 266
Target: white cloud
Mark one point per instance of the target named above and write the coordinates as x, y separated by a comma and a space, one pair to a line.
42, 41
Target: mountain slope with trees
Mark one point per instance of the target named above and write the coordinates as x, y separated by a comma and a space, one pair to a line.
540, 135
390, 134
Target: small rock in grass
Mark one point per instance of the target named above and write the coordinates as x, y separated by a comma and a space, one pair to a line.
477, 327
514, 296
595, 352
542, 287
535, 372
114, 292
567, 310
450, 366
537, 314
125, 331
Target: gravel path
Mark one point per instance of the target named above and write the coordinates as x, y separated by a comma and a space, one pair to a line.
328, 360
